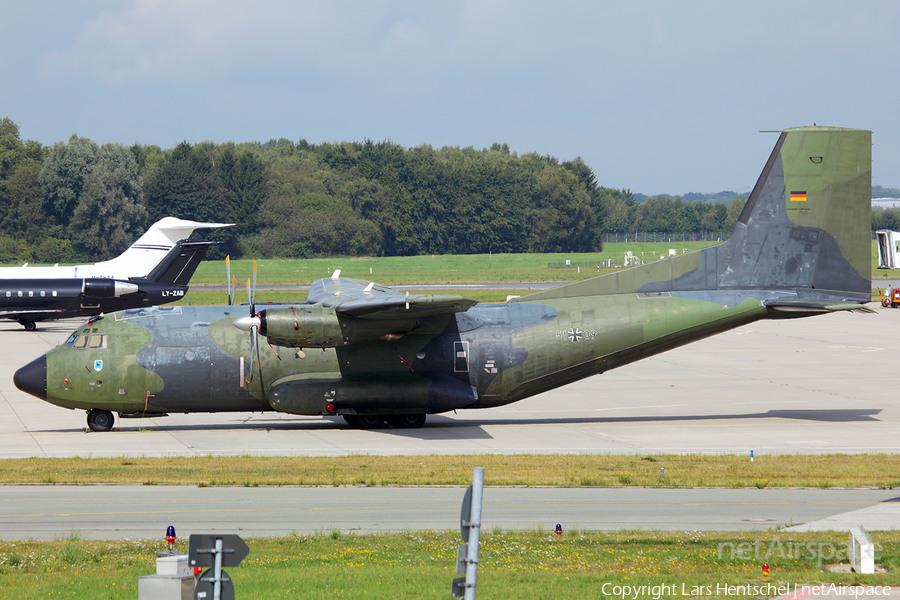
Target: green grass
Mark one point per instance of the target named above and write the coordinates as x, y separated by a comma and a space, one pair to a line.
414, 565
473, 268
470, 268
203, 297
606, 470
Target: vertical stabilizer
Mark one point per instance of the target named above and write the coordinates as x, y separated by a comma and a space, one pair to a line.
149, 252
807, 223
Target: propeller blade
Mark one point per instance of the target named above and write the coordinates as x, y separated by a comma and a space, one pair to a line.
228, 277
253, 301
254, 352
251, 323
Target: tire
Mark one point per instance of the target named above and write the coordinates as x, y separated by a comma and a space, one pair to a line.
100, 420
413, 421
28, 325
369, 421
351, 420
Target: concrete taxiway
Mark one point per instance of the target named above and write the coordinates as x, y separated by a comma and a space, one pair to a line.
138, 512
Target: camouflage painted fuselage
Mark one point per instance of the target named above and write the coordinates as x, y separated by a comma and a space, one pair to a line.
189, 359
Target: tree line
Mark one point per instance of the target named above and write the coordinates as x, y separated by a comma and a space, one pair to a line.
80, 201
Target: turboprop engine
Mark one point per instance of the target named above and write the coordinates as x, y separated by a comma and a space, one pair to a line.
318, 327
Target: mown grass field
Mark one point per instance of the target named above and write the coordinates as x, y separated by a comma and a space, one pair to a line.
603, 470
416, 565
470, 268
473, 268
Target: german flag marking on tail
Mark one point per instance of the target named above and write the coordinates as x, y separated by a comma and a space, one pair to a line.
798, 196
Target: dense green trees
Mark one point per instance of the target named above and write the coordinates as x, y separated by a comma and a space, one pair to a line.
92, 196
889, 218
80, 201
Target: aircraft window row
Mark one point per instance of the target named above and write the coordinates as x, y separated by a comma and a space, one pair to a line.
21, 294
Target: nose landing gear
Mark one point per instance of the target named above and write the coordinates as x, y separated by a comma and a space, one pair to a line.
100, 420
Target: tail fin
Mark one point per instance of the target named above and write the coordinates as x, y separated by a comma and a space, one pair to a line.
153, 248
806, 228
180, 263
807, 223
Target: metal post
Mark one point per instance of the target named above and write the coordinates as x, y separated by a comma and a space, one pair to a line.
217, 585
474, 533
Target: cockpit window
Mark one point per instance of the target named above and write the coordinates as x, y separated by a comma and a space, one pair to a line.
95, 340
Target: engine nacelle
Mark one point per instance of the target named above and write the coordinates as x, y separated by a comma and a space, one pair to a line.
302, 327
106, 288
306, 326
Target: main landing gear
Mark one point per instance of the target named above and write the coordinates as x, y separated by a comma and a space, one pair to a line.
28, 324
413, 421
100, 420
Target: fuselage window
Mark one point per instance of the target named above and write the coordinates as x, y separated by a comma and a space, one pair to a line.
72, 339
20, 293
54, 293
98, 340
461, 357
30, 294
80, 341
43, 293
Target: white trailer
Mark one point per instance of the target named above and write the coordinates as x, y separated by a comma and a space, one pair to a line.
888, 249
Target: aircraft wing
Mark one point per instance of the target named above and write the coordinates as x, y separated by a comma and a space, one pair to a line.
367, 299
401, 306
15, 312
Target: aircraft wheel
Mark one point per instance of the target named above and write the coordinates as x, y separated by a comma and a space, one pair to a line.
369, 421
100, 420
28, 325
408, 421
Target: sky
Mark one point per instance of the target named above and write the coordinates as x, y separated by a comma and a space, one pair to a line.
656, 97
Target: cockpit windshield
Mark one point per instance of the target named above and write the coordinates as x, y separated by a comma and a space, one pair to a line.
81, 341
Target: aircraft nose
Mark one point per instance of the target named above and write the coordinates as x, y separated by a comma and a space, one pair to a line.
32, 378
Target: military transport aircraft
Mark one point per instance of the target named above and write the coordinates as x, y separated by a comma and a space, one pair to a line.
363, 351
154, 270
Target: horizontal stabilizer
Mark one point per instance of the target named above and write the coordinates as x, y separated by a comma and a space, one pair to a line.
807, 307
